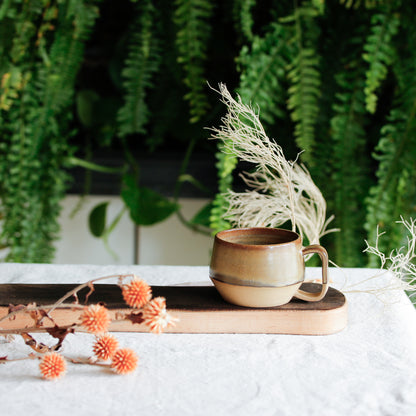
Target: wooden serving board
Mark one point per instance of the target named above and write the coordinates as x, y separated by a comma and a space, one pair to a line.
200, 309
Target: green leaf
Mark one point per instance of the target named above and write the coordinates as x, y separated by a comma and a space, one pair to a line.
97, 219
189, 178
85, 106
109, 230
146, 206
202, 217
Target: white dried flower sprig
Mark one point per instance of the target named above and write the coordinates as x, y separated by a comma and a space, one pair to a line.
281, 190
399, 267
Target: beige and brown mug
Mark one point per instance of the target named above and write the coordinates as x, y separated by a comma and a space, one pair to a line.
263, 267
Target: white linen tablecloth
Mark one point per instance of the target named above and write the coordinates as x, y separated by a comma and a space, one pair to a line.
367, 369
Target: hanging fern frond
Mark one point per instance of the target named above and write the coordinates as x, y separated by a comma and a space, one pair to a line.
243, 17
349, 174
262, 70
141, 65
192, 19
304, 77
60, 64
355, 4
379, 54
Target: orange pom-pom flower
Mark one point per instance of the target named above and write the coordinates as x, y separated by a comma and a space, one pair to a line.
105, 346
156, 317
52, 366
95, 318
124, 361
136, 293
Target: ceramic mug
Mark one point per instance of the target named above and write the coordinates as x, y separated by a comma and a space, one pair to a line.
263, 267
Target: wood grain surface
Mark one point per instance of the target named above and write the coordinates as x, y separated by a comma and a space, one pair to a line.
200, 309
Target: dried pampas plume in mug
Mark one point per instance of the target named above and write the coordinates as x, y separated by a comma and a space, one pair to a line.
281, 190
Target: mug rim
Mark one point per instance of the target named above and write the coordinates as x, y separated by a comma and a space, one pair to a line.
267, 230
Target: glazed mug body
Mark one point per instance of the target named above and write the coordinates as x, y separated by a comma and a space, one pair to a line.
262, 267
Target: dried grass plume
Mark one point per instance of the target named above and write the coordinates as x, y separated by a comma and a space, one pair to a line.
281, 191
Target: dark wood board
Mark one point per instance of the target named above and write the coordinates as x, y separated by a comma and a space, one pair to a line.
200, 309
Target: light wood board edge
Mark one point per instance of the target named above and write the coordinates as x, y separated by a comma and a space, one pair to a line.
250, 321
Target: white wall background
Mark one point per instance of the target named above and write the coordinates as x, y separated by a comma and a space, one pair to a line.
167, 243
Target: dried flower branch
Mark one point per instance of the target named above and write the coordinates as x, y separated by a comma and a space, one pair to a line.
94, 319
281, 190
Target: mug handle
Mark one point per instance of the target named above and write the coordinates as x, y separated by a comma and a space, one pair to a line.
314, 297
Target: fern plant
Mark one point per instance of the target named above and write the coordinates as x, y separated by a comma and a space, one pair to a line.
304, 77
34, 127
243, 17
192, 19
141, 64
263, 69
379, 54
349, 170
358, 67
394, 194
333, 80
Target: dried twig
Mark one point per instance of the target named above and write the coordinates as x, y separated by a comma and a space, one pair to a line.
89, 284
398, 268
